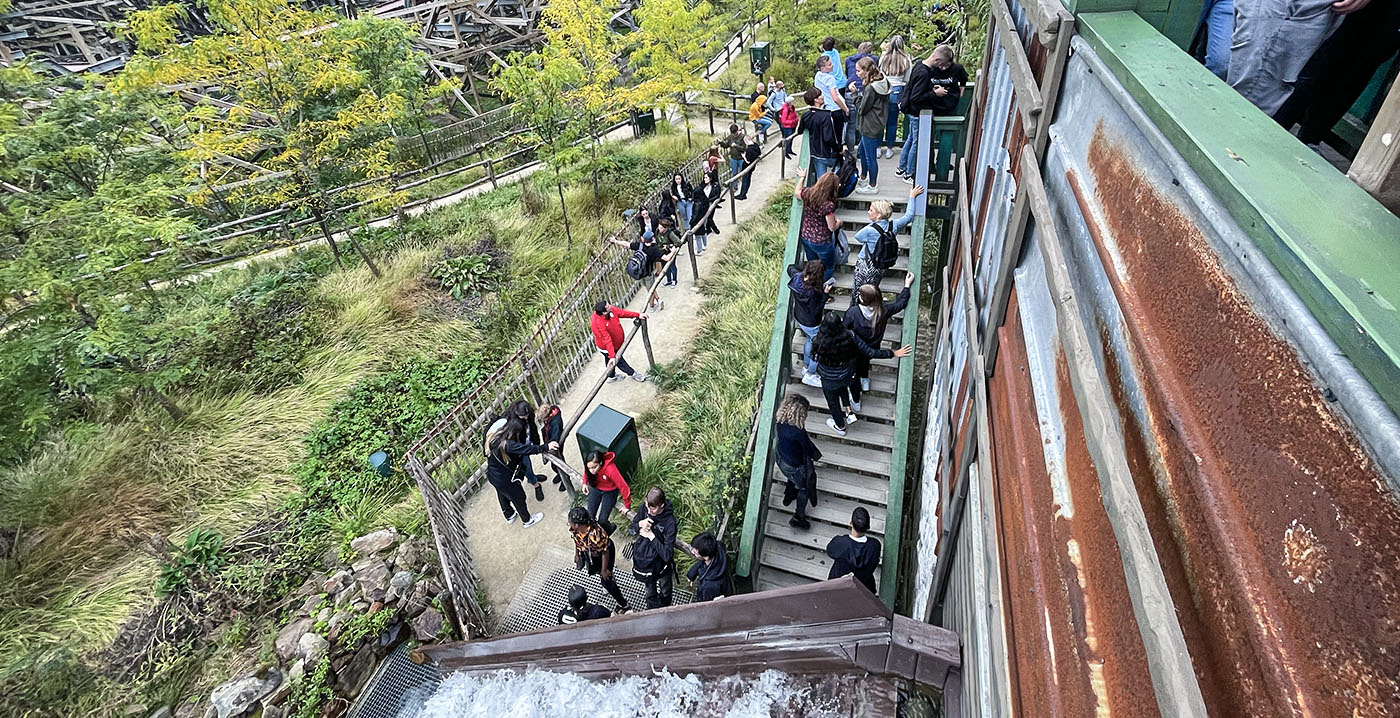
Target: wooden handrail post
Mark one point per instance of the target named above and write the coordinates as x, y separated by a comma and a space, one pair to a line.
711, 110
646, 344
733, 214
490, 171
694, 265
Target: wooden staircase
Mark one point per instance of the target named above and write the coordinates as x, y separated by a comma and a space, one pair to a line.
854, 469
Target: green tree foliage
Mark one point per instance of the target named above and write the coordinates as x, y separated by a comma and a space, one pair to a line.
668, 50
307, 102
798, 29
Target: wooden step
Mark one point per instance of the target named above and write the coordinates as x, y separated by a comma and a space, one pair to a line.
830, 509
855, 459
814, 539
862, 433
866, 490
881, 382
874, 407
894, 331
770, 578
889, 285
799, 561
901, 265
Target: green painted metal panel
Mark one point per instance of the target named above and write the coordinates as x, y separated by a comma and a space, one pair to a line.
775, 380
1335, 245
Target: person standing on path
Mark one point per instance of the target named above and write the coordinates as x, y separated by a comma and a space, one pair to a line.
552, 430
752, 153
595, 552
579, 609
837, 350
710, 574
523, 414
735, 144
788, 119
819, 222
653, 553
935, 84
777, 97
837, 70
895, 65
608, 338
870, 122
855, 86
702, 220
820, 125
669, 238
879, 241
677, 198
855, 554
657, 257
603, 485
504, 448
809, 293
796, 454
868, 318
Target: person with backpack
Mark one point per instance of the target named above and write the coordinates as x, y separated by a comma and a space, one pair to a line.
819, 223
670, 239
870, 121
606, 325
710, 574
934, 84
847, 174
788, 120
868, 317
595, 552
823, 139
879, 241
810, 293
676, 200
856, 553
894, 65
603, 485
735, 143
504, 447
752, 153
837, 349
551, 418
649, 259
796, 454
579, 609
702, 220
653, 553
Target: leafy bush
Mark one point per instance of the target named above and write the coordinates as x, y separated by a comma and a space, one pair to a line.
203, 552
270, 325
466, 275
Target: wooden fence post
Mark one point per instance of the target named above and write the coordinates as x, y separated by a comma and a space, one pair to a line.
646, 343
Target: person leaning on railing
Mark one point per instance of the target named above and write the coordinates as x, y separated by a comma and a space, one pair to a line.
934, 84
504, 448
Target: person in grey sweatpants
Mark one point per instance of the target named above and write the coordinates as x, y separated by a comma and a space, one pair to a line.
1272, 41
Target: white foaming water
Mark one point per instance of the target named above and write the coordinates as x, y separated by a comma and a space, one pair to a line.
663, 695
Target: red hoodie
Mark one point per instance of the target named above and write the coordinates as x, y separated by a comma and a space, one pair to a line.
609, 478
607, 331
787, 116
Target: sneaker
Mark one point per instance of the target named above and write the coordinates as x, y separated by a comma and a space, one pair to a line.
614, 378
511, 520
855, 406
865, 385
639, 377
539, 492
534, 519
908, 179
850, 419
802, 524
623, 610
811, 379
658, 306
867, 189
832, 423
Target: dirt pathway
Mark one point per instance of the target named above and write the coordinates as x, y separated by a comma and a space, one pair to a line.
503, 553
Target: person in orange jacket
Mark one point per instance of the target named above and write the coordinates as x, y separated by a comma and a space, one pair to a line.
603, 485
606, 324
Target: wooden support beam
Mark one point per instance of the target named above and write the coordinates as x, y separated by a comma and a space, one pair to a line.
1377, 165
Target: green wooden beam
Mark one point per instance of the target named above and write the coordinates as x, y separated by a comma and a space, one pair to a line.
1334, 244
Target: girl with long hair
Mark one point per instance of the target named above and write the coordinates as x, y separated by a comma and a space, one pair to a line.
796, 454
819, 220
868, 319
895, 65
551, 418
522, 413
837, 350
595, 552
702, 220
870, 121
504, 448
603, 484
809, 294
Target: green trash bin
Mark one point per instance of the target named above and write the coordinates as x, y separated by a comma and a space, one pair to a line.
645, 122
608, 429
760, 57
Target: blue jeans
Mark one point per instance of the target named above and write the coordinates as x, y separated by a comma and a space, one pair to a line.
671, 270
869, 162
683, 208
1219, 18
787, 139
822, 165
826, 253
735, 167
529, 471
699, 242
908, 163
762, 124
892, 118
807, 349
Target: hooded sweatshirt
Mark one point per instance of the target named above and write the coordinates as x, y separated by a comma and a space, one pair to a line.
856, 557
654, 555
874, 109
711, 579
809, 303
609, 478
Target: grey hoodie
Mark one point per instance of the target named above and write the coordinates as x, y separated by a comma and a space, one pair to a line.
874, 104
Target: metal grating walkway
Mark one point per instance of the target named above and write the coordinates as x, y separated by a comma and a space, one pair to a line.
545, 587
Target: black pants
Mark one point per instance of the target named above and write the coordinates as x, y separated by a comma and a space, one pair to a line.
1339, 71
801, 486
600, 503
658, 586
746, 181
838, 397
621, 364
512, 498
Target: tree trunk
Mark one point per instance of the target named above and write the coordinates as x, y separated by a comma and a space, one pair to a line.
167, 404
373, 269
563, 208
421, 138
326, 232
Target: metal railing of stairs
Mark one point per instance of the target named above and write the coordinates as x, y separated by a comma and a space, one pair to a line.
943, 134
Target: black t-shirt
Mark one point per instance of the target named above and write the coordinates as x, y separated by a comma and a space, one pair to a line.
952, 80
654, 251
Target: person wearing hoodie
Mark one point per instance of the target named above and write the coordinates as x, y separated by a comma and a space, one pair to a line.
855, 554
603, 485
595, 552
809, 294
676, 200
867, 320
702, 220
787, 124
837, 350
735, 143
710, 574
653, 553
870, 265
552, 430
870, 121
504, 448
579, 609
606, 324
796, 457
855, 87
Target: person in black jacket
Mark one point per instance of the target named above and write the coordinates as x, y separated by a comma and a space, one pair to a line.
810, 296
523, 414
675, 201
653, 553
824, 145
752, 151
710, 574
505, 447
579, 609
702, 221
796, 454
855, 554
552, 430
868, 318
837, 349
934, 84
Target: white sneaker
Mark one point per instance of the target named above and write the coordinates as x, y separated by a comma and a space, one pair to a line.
908, 179
832, 423
640, 377
865, 385
658, 306
534, 519
511, 520
851, 419
811, 379
855, 406
866, 189
614, 377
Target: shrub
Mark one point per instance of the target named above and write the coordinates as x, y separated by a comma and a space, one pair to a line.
465, 276
203, 553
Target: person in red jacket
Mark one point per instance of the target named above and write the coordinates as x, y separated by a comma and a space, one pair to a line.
603, 485
606, 323
787, 124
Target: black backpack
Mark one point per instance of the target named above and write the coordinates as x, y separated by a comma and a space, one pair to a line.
637, 265
886, 248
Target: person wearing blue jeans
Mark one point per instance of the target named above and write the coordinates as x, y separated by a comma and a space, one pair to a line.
907, 163
809, 295
895, 66
1216, 25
